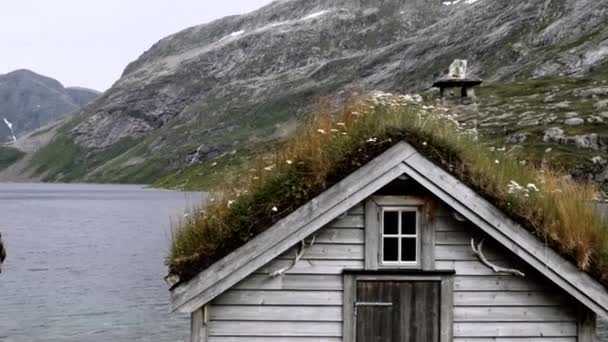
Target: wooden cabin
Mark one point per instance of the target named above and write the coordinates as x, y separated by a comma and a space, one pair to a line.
399, 250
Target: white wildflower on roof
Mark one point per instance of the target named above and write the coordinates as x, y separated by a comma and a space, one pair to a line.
355, 113
344, 133
502, 149
497, 161
532, 187
275, 209
269, 168
341, 124
289, 162
424, 143
230, 203
334, 130
514, 187
523, 162
214, 164
372, 139
322, 131
548, 150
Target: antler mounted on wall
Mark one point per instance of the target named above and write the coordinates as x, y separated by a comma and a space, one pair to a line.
299, 255
478, 250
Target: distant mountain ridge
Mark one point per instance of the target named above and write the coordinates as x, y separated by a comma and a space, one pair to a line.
219, 87
29, 101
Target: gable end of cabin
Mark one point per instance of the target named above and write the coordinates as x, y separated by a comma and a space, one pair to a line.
396, 266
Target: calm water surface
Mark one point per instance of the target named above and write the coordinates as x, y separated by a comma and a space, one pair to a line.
85, 263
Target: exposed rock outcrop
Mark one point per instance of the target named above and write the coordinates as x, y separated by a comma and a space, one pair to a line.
238, 78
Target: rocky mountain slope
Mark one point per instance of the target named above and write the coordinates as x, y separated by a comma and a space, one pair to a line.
222, 87
29, 101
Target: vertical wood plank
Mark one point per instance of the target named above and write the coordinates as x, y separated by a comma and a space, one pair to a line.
198, 331
348, 307
586, 324
447, 309
427, 227
372, 234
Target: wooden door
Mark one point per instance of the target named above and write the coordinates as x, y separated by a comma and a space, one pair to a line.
398, 311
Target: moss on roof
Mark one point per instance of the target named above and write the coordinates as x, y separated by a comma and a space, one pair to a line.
337, 141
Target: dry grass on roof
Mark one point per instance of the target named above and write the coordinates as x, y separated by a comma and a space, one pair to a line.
337, 141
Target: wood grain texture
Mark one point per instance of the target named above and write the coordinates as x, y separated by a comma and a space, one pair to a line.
372, 234
516, 329
198, 331
586, 324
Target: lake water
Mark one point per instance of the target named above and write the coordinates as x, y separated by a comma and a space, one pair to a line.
85, 263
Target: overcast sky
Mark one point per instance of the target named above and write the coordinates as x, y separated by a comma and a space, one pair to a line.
88, 43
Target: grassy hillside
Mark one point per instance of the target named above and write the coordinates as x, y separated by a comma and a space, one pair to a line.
9, 156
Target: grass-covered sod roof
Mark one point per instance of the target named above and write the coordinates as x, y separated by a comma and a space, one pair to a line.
337, 141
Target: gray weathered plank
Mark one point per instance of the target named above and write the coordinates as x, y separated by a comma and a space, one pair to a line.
340, 236
312, 266
427, 244
287, 329
586, 324
282, 297
457, 237
277, 339
447, 309
291, 282
328, 252
498, 283
358, 209
372, 234
198, 331
276, 313
514, 314
349, 221
515, 339
465, 253
504, 298
515, 329
470, 267
348, 307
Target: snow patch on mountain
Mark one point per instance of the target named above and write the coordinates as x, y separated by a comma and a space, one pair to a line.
10, 126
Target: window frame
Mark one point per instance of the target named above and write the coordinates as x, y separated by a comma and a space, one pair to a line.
373, 258
399, 236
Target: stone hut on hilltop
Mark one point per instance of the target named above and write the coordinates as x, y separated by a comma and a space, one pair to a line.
399, 250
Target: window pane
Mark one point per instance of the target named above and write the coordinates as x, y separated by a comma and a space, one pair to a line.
391, 222
408, 222
408, 249
391, 249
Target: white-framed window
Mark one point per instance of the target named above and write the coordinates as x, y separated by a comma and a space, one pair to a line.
399, 236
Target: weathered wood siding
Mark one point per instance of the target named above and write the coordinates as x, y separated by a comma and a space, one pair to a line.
494, 307
305, 305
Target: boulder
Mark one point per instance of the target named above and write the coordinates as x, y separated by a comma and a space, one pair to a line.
554, 134
574, 122
601, 105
